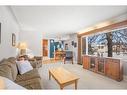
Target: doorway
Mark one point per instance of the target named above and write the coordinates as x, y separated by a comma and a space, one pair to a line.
45, 48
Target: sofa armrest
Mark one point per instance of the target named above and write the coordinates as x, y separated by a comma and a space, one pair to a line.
33, 63
36, 64
38, 58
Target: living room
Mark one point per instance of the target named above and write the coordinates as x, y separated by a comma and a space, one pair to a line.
74, 28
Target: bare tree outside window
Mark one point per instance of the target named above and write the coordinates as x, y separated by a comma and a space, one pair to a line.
110, 43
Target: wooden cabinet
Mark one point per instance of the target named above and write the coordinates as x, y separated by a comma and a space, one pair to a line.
93, 64
113, 69
85, 62
106, 66
101, 65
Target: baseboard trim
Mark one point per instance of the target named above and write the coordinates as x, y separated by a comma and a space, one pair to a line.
125, 78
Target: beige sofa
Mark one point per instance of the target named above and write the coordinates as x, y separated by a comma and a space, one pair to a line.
29, 80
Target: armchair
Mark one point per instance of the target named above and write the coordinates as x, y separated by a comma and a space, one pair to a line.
68, 56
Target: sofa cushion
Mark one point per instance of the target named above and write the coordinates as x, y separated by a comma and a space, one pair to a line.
34, 83
5, 71
3, 60
13, 67
12, 59
29, 75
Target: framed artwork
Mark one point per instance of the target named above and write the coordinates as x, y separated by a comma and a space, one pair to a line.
75, 44
72, 43
0, 33
13, 39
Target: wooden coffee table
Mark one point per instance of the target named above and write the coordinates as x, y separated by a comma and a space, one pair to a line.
63, 77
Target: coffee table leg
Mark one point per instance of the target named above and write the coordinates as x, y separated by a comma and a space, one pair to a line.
61, 87
76, 84
49, 75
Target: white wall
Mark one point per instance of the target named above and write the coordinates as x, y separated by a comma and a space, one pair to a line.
33, 40
8, 26
74, 38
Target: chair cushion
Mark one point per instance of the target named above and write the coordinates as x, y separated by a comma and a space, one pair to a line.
68, 58
29, 75
69, 54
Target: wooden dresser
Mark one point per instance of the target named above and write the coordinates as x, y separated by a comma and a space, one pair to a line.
106, 66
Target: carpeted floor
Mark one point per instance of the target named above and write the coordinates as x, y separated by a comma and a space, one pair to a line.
47, 61
88, 79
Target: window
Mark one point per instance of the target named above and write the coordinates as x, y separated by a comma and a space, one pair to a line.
110, 44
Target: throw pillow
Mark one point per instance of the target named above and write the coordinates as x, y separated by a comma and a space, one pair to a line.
24, 66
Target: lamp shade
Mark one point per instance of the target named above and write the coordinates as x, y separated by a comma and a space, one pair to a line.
22, 45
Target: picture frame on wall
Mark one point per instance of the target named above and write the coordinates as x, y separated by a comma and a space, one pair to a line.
13, 39
75, 44
72, 43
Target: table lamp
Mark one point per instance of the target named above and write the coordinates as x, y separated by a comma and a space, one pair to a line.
22, 46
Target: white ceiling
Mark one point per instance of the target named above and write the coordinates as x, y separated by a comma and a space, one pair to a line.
54, 21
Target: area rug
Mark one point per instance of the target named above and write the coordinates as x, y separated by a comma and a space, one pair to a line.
88, 79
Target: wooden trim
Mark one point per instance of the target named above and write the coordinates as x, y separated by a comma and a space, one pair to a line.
79, 51
109, 27
83, 45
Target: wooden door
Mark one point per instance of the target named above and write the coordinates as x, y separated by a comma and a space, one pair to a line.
113, 69
45, 47
93, 64
101, 65
108, 67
